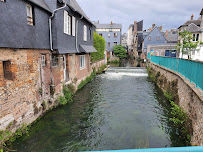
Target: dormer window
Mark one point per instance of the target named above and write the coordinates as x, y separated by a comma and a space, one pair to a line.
195, 37
149, 38
29, 9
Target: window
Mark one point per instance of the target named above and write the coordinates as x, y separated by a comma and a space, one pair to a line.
109, 35
3, 0
43, 58
115, 35
100, 34
54, 60
73, 26
82, 62
115, 43
149, 38
29, 9
85, 32
90, 34
109, 45
67, 23
195, 37
7, 70
157, 38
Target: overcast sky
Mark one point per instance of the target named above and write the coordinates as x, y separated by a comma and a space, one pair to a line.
168, 13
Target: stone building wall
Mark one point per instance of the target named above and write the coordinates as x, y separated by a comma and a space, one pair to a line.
96, 65
27, 95
187, 96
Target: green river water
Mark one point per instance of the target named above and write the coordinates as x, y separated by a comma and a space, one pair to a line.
121, 109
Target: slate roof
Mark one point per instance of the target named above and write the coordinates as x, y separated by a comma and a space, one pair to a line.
108, 25
76, 7
196, 22
42, 4
172, 37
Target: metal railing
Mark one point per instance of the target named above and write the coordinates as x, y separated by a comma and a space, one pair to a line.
178, 149
192, 70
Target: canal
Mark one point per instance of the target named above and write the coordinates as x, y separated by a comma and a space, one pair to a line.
121, 109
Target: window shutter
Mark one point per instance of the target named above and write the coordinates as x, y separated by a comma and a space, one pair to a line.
65, 22
85, 33
73, 25
69, 24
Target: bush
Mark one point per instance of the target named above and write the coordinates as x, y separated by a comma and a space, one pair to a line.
120, 52
62, 100
99, 45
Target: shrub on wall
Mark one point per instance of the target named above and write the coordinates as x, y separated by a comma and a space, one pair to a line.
99, 45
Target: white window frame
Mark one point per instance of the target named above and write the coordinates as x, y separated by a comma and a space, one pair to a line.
67, 23
85, 32
82, 62
73, 26
29, 11
43, 58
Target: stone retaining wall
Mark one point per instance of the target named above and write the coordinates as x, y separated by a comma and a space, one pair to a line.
187, 96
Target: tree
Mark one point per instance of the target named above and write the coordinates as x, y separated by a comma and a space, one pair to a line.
186, 44
120, 52
99, 45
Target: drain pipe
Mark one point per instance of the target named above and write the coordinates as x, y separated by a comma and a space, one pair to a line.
76, 37
51, 43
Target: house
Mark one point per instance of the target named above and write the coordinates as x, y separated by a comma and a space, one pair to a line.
124, 40
135, 37
43, 46
196, 28
111, 33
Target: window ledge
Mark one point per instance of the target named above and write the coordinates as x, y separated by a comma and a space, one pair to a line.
82, 68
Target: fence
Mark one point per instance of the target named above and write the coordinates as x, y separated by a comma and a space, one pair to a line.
178, 149
192, 70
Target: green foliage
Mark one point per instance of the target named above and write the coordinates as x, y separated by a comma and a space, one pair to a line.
99, 45
87, 80
115, 62
120, 52
169, 95
180, 121
101, 69
187, 45
62, 100
7, 137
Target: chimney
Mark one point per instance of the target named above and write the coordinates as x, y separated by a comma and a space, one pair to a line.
166, 34
98, 22
153, 26
192, 17
201, 13
135, 27
111, 23
160, 28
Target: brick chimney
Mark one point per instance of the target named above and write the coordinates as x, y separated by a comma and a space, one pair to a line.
166, 34
111, 23
192, 17
201, 13
161, 28
153, 26
135, 27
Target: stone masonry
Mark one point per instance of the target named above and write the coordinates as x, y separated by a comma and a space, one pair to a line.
188, 97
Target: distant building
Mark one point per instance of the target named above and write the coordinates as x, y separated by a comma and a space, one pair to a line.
159, 43
196, 27
111, 33
135, 37
124, 38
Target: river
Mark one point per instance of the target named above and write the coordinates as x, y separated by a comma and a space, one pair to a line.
121, 109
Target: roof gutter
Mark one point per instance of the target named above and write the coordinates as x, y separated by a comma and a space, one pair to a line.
76, 36
50, 25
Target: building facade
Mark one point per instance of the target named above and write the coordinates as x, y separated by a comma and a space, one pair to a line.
111, 33
44, 46
196, 28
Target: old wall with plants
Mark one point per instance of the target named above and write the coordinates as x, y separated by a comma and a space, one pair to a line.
186, 101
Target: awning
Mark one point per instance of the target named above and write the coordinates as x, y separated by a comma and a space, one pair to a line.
87, 49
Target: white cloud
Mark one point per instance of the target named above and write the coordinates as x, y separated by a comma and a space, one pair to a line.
170, 13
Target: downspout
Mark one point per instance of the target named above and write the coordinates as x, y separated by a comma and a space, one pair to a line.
51, 43
76, 36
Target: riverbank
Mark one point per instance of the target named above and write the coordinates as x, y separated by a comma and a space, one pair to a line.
184, 94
